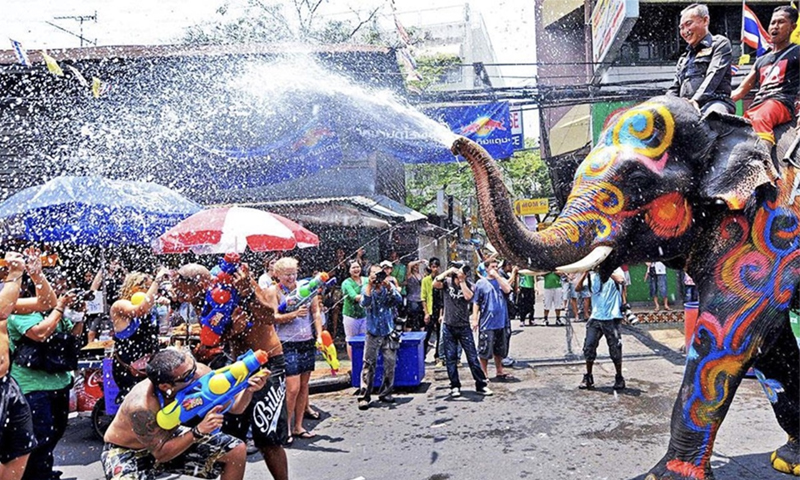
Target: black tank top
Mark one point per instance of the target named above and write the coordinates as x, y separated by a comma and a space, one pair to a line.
779, 81
137, 341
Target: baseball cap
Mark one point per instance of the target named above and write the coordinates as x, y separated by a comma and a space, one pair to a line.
386, 263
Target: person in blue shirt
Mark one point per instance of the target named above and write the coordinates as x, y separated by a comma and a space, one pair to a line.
605, 321
379, 297
490, 312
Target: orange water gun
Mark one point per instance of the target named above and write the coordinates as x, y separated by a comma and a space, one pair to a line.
329, 351
47, 261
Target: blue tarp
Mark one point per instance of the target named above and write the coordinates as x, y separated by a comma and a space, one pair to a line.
488, 125
320, 135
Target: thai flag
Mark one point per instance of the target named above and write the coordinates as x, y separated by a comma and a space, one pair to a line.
734, 69
753, 34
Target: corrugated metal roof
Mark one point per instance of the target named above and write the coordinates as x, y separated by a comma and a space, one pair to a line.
378, 204
7, 57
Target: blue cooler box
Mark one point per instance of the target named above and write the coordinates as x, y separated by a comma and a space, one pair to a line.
410, 368
110, 389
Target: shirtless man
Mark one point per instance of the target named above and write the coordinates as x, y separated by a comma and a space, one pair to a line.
267, 412
17, 440
136, 447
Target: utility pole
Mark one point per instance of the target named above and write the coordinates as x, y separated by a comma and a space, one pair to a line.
81, 19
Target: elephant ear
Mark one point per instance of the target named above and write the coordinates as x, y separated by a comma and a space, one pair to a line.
736, 166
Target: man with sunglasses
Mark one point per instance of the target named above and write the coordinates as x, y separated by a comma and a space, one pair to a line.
137, 448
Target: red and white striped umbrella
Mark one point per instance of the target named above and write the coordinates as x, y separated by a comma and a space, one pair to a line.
233, 229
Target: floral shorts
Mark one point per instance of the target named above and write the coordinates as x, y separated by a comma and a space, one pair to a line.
200, 460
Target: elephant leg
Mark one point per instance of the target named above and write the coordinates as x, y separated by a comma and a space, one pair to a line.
783, 390
716, 362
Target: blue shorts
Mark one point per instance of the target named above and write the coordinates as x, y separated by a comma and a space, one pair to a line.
585, 293
658, 286
300, 357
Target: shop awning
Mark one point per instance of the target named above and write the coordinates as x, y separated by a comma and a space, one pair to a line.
376, 211
554, 10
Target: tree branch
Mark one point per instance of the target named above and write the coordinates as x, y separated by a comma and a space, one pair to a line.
272, 12
362, 23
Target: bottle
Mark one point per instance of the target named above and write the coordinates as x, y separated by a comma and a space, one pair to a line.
105, 334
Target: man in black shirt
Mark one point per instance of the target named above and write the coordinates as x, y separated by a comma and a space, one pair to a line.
778, 76
457, 294
703, 74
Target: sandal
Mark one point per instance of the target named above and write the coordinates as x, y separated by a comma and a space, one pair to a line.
311, 415
289, 441
305, 434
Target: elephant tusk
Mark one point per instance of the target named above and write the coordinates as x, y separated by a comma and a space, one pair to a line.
589, 261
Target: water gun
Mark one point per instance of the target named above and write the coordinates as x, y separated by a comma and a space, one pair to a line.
477, 243
305, 291
217, 388
221, 301
329, 351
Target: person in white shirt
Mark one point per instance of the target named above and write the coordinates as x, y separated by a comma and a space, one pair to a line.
657, 275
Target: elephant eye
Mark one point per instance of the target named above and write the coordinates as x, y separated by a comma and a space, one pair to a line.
641, 186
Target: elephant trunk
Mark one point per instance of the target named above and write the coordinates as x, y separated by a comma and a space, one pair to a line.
559, 247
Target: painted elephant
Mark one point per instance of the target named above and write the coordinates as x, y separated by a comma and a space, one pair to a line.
664, 184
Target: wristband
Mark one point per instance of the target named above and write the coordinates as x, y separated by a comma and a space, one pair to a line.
59, 311
197, 434
11, 281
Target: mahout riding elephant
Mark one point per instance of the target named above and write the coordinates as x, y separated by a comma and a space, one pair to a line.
664, 184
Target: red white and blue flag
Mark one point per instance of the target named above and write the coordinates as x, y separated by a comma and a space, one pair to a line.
753, 34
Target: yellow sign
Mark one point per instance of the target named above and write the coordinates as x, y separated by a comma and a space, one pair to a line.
532, 206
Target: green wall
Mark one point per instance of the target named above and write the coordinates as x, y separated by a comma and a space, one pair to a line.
601, 111
639, 290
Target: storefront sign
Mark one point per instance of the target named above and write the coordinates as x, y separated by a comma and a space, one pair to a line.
532, 206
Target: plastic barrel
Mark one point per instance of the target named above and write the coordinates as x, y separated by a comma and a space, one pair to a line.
690, 319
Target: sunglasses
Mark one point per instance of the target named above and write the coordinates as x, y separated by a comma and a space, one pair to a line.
188, 376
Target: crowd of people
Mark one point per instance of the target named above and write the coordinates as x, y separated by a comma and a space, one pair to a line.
464, 314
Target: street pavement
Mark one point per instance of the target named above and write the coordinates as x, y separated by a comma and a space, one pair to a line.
537, 427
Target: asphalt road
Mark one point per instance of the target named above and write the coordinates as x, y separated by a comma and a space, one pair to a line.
537, 427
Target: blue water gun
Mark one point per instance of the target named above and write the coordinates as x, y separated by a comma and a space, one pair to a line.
221, 301
217, 388
477, 244
305, 291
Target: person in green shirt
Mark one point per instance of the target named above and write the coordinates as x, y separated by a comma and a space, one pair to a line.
432, 305
553, 297
526, 299
353, 317
47, 393
398, 271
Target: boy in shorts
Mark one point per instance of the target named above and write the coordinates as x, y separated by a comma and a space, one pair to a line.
490, 312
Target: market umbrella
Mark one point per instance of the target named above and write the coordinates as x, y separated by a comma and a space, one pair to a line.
233, 229
93, 211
